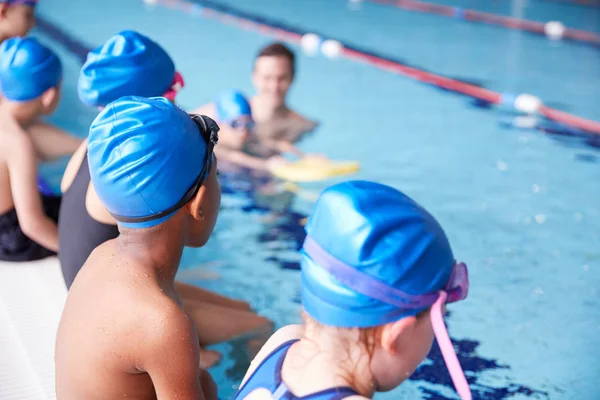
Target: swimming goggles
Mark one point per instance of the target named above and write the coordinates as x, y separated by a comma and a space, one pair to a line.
210, 133
177, 84
456, 289
242, 123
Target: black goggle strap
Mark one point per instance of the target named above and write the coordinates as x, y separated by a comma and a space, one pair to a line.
210, 133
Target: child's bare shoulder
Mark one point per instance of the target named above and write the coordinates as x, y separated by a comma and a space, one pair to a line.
167, 330
17, 147
13, 137
163, 316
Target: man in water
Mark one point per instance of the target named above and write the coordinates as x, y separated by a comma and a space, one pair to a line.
276, 125
272, 77
124, 332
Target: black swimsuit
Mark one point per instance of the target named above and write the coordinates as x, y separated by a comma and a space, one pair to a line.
79, 234
15, 246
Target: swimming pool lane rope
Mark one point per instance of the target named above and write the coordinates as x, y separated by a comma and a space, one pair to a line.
551, 28
244, 20
591, 3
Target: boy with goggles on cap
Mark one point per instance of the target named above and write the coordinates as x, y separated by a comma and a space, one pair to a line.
130, 63
124, 332
377, 270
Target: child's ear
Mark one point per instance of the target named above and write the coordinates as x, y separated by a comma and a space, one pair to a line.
395, 332
195, 205
49, 95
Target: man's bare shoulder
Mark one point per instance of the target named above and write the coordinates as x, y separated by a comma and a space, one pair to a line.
297, 126
300, 119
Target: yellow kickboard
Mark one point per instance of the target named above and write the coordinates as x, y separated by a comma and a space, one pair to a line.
315, 169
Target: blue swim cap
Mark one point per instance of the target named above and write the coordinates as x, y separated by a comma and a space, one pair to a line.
27, 69
232, 105
31, 3
144, 154
128, 64
382, 233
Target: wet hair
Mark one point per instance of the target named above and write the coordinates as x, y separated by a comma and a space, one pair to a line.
278, 49
368, 338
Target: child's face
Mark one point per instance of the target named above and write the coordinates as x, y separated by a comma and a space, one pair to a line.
200, 230
390, 370
241, 129
16, 20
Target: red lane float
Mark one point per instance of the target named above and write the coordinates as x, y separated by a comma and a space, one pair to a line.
203, 9
493, 19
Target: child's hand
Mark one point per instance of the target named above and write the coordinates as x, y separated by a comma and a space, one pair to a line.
276, 162
315, 158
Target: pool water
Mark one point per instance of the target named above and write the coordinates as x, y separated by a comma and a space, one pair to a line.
521, 207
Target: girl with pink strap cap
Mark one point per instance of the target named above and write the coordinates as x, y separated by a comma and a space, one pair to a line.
377, 270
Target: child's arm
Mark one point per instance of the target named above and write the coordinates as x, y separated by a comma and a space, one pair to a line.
172, 356
248, 161
285, 334
22, 168
52, 142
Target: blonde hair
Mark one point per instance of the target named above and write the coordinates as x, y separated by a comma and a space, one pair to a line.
367, 342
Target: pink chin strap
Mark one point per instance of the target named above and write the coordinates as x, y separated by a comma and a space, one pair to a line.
447, 349
177, 84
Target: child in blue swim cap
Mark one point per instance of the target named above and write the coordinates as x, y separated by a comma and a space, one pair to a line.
234, 114
239, 144
130, 63
152, 167
30, 77
16, 18
377, 270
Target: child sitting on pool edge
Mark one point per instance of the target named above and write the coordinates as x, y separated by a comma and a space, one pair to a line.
16, 20
130, 63
153, 168
30, 77
377, 270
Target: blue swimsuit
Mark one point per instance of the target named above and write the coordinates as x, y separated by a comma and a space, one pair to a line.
268, 376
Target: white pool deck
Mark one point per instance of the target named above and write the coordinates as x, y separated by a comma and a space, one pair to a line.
32, 296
